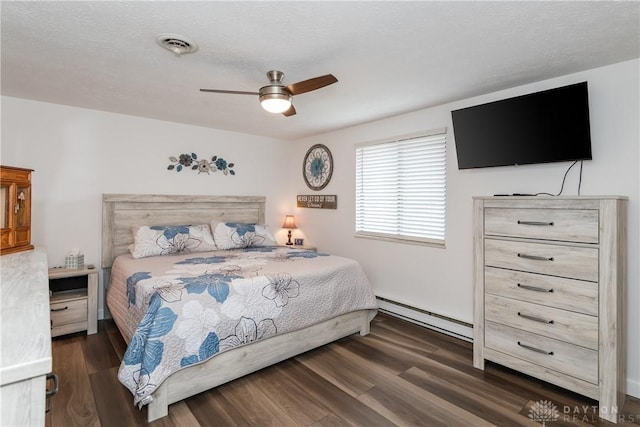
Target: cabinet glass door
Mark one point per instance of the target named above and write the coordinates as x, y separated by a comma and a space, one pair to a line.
4, 202
22, 217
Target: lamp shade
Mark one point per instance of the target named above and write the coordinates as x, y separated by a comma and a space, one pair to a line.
275, 99
275, 104
289, 222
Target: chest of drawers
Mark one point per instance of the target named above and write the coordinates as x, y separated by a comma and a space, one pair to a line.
549, 277
25, 346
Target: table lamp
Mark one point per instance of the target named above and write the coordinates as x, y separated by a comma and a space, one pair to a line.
290, 224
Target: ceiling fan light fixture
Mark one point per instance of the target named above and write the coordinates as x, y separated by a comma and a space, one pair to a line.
275, 99
276, 103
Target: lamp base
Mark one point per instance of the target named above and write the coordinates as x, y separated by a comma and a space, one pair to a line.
289, 235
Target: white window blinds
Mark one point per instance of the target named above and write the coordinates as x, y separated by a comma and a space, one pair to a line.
400, 189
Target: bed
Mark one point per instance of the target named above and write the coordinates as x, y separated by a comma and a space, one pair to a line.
297, 300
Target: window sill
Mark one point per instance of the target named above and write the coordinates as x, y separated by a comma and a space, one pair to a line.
400, 239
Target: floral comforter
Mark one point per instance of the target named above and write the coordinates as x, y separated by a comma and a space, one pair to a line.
176, 311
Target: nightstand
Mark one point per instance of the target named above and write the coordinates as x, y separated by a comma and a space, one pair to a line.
304, 247
73, 297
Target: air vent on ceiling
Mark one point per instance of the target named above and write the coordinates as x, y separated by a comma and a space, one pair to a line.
180, 45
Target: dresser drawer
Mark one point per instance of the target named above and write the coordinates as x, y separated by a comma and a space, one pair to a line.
67, 312
563, 325
573, 360
567, 294
569, 225
556, 260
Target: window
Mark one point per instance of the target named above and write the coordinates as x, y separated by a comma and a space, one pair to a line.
400, 189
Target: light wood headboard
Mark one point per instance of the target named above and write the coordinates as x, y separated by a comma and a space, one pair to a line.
122, 211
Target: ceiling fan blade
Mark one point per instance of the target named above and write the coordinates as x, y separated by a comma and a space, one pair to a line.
311, 84
233, 92
290, 112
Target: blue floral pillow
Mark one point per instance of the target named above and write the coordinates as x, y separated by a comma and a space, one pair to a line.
171, 239
235, 236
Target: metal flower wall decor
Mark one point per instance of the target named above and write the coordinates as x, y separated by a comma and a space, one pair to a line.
190, 161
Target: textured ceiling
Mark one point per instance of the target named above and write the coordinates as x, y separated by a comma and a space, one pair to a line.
389, 57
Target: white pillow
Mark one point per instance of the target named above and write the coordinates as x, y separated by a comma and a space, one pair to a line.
235, 236
153, 240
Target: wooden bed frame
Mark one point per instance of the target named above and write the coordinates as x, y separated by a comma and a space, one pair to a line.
121, 211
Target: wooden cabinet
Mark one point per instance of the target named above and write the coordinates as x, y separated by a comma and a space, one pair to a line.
550, 289
73, 300
15, 212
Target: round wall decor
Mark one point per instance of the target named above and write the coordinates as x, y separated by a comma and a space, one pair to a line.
317, 167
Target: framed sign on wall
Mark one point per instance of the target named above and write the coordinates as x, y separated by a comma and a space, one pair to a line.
317, 201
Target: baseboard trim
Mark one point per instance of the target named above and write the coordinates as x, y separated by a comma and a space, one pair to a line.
436, 322
633, 388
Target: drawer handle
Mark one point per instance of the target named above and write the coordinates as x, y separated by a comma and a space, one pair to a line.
537, 350
534, 288
535, 257
49, 393
547, 224
60, 309
52, 392
535, 319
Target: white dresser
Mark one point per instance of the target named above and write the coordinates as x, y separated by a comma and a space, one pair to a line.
25, 349
550, 289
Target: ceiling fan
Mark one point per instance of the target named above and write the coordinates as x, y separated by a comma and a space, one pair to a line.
276, 97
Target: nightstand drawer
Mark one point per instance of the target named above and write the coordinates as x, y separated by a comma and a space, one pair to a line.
569, 225
556, 260
563, 325
567, 294
573, 360
71, 311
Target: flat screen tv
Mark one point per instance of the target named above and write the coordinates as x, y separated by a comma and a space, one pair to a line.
542, 127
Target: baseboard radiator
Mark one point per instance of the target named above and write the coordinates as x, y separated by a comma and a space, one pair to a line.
436, 322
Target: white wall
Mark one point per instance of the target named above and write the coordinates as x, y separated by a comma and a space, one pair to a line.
440, 280
78, 154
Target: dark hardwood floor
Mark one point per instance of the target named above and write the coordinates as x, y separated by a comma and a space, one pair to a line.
399, 375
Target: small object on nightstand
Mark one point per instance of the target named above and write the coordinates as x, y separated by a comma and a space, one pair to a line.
298, 242
75, 260
90, 266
